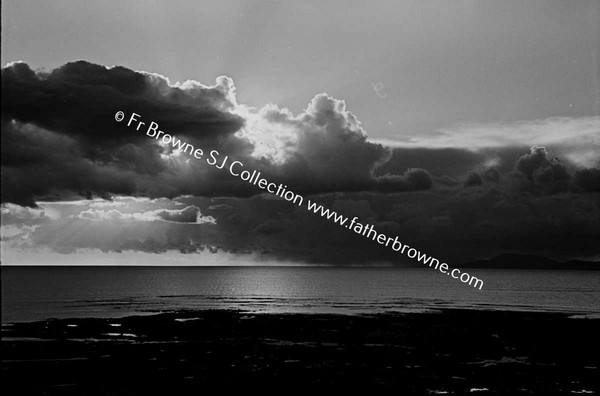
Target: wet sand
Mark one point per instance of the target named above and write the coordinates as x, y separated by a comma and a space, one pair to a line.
445, 352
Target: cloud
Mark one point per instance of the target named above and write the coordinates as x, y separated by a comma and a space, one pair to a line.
473, 179
439, 162
324, 148
187, 215
60, 140
573, 139
15, 214
492, 175
413, 179
59, 136
454, 223
588, 179
19, 223
269, 227
538, 167
555, 131
60, 144
77, 98
40, 163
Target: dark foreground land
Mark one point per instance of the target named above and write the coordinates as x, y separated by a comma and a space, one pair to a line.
450, 352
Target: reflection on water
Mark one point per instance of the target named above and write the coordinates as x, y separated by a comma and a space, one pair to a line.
33, 293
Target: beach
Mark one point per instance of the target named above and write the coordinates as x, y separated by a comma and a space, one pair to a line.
449, 351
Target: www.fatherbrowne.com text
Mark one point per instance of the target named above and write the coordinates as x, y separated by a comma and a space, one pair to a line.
236, 168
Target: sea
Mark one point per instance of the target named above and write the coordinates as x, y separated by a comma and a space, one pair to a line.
39, 293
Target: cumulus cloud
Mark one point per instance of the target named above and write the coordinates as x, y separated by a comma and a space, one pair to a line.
187, 215
539, 167
19, 223
324, 148
59, 138
15, 214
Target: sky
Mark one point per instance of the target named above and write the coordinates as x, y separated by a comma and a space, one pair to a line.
433, 63
469, 128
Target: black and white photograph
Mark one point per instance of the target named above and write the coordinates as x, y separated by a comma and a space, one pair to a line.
218, 196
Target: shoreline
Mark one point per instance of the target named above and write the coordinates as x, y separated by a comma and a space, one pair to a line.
441, 309
454, 351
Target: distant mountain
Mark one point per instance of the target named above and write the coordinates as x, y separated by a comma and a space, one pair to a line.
519, 261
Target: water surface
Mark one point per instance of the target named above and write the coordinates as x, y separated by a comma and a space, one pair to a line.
36, 293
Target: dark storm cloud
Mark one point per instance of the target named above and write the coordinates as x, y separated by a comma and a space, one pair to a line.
473, 179
492, 175
507, 212
445, 161
456, 150
59, 138
37, 162
414, 179
537, 166
77, 99
588, 179
59, 135
454, 223
269, 227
